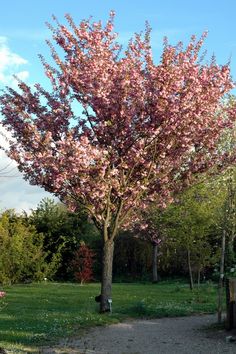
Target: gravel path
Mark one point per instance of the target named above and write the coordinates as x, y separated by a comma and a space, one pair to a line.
183, 335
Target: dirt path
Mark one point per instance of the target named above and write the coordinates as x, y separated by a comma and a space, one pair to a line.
183, 335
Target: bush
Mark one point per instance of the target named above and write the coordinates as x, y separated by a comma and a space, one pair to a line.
22, 257
83, 264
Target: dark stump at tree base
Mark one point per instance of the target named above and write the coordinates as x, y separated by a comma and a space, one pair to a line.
2, 351
98, 298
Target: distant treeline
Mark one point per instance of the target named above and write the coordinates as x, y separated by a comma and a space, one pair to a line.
46, 242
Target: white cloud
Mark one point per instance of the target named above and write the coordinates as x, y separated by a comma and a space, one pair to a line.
10, 64
15, 192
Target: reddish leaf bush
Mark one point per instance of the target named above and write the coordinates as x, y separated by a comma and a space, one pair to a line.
83, 264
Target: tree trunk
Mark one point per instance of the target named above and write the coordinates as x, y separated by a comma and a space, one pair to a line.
106, 285
190, 270
230, 253
154, 263
198, 278
221, 280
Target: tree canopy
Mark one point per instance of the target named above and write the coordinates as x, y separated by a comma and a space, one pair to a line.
145, 131
144, 127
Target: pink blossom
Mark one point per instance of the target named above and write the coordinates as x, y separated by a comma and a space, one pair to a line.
146, 131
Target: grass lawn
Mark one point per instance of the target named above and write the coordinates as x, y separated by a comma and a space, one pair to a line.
40, 314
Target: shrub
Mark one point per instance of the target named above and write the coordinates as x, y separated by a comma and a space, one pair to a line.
83, 263
22, 257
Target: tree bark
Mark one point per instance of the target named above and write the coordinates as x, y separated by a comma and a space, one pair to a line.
221, 280
108, 250
198, 278
154, 262
190, 270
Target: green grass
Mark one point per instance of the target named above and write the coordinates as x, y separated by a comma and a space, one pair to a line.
40, 314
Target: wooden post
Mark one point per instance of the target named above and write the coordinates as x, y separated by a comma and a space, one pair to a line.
231, 303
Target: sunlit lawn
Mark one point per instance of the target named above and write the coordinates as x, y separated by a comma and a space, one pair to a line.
40, 314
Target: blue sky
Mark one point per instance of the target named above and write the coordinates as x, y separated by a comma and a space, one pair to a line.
23, 33
22, 22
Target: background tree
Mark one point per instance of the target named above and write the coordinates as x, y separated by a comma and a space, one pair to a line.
191, 222
22, 257
228, 219
227, 224
132, 258
148, 224
63, 232
147, 129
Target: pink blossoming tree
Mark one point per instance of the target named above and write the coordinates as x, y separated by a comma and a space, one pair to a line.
145, 129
